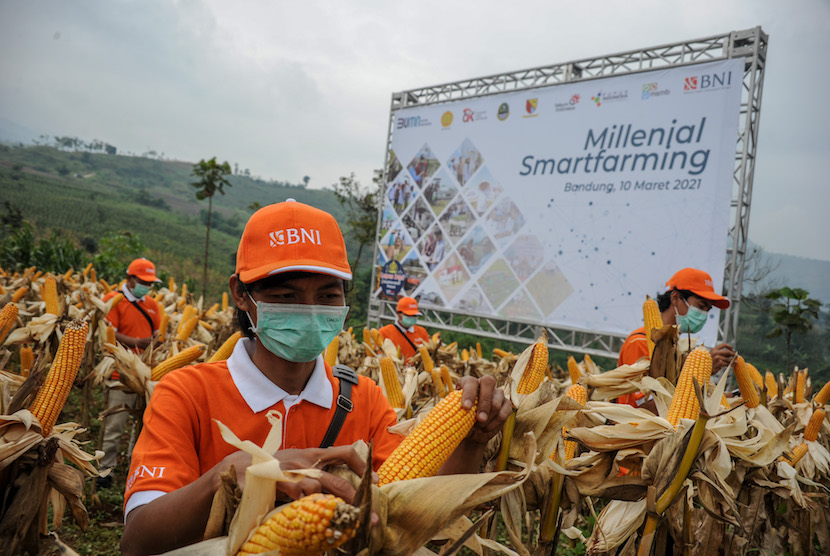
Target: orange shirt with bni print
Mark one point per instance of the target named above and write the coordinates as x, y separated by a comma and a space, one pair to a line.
633, 349
180, 440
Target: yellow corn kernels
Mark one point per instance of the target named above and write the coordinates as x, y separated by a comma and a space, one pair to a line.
306, 527
535, 370
330, 355
52, 395
573, 369
431, 442
185, 357
391, 382
814, 425
684, 404
226, 348
745, 383
8, 320
651, 320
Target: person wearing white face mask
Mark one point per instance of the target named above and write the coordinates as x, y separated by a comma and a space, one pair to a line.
136, 321
686, 303
289, 290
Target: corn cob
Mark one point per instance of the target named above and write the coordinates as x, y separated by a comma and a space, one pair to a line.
499, 352
465, 355
2, 290
391, 382
186, 314
330, 355
86, 270
426, 360
184, 357
446, 378
478, 349
37, 275
756, 376
772, 385
226, 348
436, 338
306, 527
431, 442
105, 285
184, 291
204, 324
52, 395
92, 276
438, 383
578, 393
367, 336
652, 320
116, 299
27, 359
684, 404
573, 369
814, 425
110, 334
823, 395
8, 320
377, 337
212, 310
49, 294
798, 453
68, 274
165, 322
19, 293
589, 363
798, 393
188, 328
535, 370
745, 383
181, 302
224, 301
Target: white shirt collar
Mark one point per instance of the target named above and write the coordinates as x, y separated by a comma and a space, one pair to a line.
411, 329
260, 393
129, 295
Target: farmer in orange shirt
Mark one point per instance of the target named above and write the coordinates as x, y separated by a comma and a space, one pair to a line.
404, 333
686, 303
136, 320
289, 290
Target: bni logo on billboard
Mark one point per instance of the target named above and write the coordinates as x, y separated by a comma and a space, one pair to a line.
707, 82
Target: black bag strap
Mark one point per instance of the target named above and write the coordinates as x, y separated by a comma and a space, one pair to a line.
405, 337
146, 316
347, 378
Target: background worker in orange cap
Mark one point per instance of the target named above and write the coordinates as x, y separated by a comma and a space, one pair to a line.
404, 333
136, 320
687, 302
289, 290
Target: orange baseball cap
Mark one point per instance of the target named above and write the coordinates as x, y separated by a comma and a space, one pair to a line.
699, 283
143, 269
291, 237
408, 306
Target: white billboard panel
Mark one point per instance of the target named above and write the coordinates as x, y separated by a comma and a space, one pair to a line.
563, 205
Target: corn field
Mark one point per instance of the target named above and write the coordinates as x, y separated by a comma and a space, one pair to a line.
572, 471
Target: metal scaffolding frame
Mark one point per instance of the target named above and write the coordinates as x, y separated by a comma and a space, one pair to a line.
750, 44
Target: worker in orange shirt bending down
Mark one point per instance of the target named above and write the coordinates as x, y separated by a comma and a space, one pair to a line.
686, 303
404, 333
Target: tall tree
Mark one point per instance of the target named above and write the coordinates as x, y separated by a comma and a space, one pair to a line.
362, 210
210, 177
793, 312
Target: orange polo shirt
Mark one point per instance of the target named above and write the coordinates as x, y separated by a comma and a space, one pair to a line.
398, 335
129, 321
180, 440
634, 347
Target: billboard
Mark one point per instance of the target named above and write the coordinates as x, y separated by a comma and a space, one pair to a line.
563, 205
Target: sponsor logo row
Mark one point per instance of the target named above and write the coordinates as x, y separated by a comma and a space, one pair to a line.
652, 90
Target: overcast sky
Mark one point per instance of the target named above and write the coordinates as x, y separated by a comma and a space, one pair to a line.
289, 89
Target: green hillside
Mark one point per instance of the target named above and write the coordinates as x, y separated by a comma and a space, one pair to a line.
87, 195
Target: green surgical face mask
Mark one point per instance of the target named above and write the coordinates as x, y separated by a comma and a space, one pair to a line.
140, 290
694, 319
407, 321
297, 332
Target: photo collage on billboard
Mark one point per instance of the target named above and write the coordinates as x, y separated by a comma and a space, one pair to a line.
452, 237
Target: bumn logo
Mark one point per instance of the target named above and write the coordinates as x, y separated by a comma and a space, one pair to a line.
690, 84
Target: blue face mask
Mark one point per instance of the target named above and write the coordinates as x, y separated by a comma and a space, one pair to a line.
407, 321
297, 332
694, 319
140, 290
